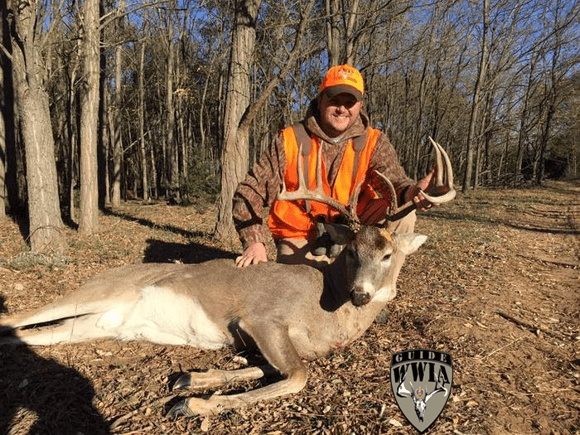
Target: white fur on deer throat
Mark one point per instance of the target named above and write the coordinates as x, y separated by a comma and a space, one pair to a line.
163, 316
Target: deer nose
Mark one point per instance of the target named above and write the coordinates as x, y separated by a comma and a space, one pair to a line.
359, 297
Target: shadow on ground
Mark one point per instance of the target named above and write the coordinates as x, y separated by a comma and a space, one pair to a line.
150, 224
158, 251
40, 396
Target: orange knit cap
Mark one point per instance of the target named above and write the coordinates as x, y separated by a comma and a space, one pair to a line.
343, 78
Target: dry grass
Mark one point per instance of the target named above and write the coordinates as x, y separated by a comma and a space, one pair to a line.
496, 285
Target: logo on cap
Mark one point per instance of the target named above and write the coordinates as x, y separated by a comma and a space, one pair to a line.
343, 78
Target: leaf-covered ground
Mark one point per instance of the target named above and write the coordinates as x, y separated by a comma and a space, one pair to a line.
497, 285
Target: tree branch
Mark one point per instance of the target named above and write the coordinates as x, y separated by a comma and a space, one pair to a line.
253, 110
6, 52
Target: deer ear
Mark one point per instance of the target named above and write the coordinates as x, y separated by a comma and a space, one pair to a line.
409, 243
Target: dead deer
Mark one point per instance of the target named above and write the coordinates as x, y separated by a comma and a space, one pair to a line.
291, 312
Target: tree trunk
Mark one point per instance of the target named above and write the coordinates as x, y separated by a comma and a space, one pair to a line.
71, 143
350, 39
4, 101
105, 141
479, 83
8, 187
333, 32
115, 125
154, 183
142, 148
541, 155
201, 118
104, 193
524, 121
172, 153
32, 100
235, 152
89, 209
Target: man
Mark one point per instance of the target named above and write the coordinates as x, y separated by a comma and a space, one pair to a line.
351, 151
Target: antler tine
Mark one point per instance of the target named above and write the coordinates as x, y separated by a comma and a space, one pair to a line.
353, 200
394, 212
318, 170
394, 203
438, 162
284, 194
317, 194
443, 182
444, 176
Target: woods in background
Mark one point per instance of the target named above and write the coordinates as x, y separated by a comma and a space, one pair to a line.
104, 100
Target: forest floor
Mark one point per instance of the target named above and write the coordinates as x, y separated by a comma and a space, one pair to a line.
497, 285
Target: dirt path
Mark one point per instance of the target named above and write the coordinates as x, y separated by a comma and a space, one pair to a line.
497, 285
513, 322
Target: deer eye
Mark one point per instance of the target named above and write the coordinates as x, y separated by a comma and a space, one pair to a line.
387, 257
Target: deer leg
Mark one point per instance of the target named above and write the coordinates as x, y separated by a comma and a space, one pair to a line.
277, 348
67, 331
216, 378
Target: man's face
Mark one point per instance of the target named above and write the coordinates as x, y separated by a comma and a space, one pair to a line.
338, 113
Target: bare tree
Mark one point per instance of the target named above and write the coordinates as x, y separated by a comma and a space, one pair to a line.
417, 59
33, 110
340, 31
89, 204
115, 119
555, 73
142, 146
479, 84
6, 113
235, 158
172, 149
333, 31
70, 145
235, 151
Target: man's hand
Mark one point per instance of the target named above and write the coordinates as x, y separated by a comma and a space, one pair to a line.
254, 254
415, 193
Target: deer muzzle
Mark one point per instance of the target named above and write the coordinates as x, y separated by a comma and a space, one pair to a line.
359, 297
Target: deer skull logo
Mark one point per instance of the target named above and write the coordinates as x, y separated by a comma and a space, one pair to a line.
421, 382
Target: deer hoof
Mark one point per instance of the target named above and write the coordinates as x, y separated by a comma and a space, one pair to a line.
193, 406
183, 382
180, 409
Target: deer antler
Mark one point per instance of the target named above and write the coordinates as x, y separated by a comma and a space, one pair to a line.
444, 179
317, 194
443, 190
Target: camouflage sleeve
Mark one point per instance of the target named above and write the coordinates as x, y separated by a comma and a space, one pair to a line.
256, 191
386, 161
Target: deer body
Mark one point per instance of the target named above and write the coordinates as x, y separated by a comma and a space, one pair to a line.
292, 312
203, 304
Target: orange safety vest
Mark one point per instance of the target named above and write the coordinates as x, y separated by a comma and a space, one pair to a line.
291, 219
